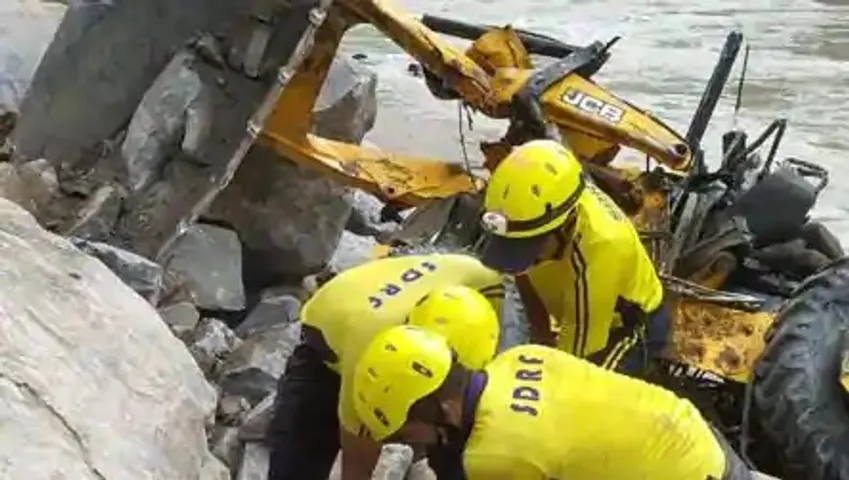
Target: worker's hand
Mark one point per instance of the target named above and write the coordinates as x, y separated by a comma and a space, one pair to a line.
536, 313
359, 456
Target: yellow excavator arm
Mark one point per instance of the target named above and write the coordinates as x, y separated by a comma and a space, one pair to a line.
486, 76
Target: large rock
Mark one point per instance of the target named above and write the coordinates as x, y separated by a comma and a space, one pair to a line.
277, 305
82, 112
172, 114
98, 67
27, 28
351, 251
92, 383
176, 147
182, 318
139, 273
291, 219
210, 259
253, 368
211, 342
346, 108
365, 216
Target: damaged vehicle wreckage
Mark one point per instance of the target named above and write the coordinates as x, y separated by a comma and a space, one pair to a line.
759, 291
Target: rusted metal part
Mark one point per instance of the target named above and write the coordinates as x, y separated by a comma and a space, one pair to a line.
717, 271
718, 339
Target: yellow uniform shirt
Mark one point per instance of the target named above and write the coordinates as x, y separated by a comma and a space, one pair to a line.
548, 415
605, 265
355, 305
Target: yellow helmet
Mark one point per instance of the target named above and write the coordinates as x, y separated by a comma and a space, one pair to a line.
531, 193
399, 367
465, 318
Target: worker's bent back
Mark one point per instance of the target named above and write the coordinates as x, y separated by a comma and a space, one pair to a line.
547, 414
347, 312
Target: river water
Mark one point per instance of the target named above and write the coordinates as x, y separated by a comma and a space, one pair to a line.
798, 69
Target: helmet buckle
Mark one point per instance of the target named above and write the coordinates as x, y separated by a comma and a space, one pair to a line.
494, 222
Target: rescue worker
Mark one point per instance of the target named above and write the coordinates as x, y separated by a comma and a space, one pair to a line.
577, 258
534, 413
451, 293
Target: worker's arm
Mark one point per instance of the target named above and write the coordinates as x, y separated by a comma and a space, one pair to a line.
500, 467
599, 275
359, 456
360, 452
536, 313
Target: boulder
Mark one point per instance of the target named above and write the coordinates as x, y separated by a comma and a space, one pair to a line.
172, 115
182, 318
28, 27
291, 219
92, 383
211, 342
253, 368
164, 113
352, 250
139, 273
365, 216
210, 259
276, 306
346, 108
97, 68
172, 154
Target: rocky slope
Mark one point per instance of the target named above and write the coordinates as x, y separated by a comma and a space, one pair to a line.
133, 347
92, 383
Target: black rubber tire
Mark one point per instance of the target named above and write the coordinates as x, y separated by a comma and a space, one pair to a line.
818, 237
798, 400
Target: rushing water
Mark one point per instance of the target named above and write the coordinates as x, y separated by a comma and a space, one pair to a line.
798, 69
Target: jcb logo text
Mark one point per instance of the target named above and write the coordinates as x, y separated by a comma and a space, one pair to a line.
593, 106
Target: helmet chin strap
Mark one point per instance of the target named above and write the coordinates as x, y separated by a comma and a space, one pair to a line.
563, 237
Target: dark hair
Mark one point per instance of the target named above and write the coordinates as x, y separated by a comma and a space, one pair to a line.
428, 409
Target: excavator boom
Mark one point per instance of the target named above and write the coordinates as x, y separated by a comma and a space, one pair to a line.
593, 120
